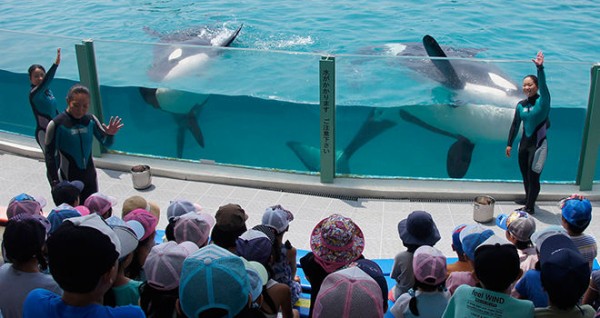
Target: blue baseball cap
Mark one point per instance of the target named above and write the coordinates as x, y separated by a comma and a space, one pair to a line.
472, 236
577, 211
456, 243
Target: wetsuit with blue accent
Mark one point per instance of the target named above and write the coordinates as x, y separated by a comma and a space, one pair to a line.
70, 139
43, 105
533, 148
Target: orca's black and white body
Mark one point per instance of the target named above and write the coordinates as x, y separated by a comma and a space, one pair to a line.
185, 54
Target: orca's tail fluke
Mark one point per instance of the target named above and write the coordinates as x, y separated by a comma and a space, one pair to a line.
310, 157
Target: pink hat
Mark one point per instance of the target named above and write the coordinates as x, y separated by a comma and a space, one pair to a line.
349, 293
100, 203
429, 265
336, 241
147, 219
194, 227
25, 203
164, 263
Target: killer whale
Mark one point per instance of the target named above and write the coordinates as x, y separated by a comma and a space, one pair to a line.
182, 53
481, 107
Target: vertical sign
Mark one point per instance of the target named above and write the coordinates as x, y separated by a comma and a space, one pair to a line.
591, 135
88, 76
327, 117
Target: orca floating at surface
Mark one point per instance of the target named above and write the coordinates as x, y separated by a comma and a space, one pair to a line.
185, 54
487, 99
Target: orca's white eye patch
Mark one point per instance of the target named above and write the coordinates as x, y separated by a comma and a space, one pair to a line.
175, 54
501, 81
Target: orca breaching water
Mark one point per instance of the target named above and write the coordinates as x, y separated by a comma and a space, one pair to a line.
483, 105
185, 54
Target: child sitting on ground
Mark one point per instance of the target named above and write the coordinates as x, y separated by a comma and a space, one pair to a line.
576, 216
284, 263
496, 267
416, 230
428, 298
462, 264
163, 266
23, 244
82, 255
100, 204
565, 276
519, 227
66, 197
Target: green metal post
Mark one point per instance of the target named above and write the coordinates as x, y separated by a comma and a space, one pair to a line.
327, 98
591, 135
88, 76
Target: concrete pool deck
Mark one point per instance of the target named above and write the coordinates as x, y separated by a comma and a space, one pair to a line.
376, 205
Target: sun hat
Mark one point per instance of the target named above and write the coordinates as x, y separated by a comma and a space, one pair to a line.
212, 277
456, 244
518, 223
496, 263
25, 203
164, 263
418, 229
181, 207
538, 237
147, 219
254, 245
576, 210
349, 293
336, 241
194, 227
231, 216
100, 203
278, 218
429, 265
564, 270
59, 214
138, 202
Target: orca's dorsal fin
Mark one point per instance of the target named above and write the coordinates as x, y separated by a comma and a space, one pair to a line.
444, 66
232, 36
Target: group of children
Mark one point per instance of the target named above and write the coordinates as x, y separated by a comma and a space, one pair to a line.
85, 261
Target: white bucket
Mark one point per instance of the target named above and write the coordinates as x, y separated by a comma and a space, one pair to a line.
483, 208
141, 177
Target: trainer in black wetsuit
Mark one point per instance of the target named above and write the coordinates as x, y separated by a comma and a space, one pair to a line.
533, 148
69, 138
41, 98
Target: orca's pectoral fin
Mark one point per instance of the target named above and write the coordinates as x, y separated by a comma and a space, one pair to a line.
149, 96
443, 65
459, 157
194, 128
309, 155
180, 139
371, 128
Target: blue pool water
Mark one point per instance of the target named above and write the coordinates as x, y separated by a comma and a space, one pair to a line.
262, 93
